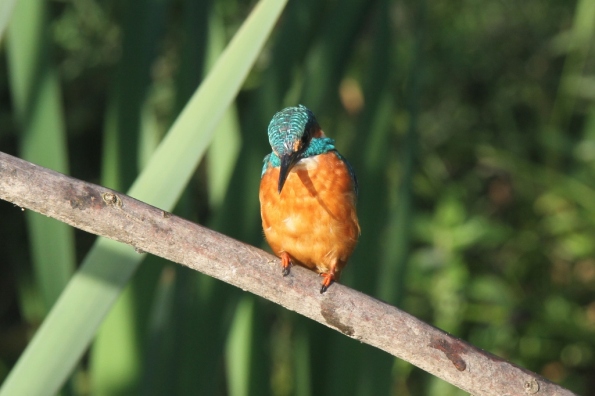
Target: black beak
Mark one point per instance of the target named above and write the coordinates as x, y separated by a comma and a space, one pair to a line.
287, 162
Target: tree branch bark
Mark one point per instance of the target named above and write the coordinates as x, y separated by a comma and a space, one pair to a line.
114, 215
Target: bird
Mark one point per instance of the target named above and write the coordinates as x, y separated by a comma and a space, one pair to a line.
308, 193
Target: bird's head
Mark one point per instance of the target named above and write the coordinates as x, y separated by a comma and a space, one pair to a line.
290, 133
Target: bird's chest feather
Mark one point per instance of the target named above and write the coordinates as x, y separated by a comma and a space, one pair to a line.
313, 218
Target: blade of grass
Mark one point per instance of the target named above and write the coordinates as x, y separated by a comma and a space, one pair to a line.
37, 102
239, 348
224, 150
73, 321
118, 353
157, 375
142, 25
120, 346
6, 8
301, 356
198, 299
196, 17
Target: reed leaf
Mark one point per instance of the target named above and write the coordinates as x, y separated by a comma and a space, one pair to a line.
37, 104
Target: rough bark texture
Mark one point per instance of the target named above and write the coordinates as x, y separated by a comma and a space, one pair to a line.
114, 215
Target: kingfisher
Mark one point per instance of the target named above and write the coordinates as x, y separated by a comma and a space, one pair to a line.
308, 193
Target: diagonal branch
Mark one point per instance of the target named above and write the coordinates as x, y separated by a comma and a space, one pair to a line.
108, 213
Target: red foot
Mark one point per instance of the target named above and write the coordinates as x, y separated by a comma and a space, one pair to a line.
329, 278
285, 263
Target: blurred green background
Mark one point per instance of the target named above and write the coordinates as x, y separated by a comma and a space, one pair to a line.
471, 127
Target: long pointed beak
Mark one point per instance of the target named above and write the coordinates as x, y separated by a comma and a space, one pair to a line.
287, 162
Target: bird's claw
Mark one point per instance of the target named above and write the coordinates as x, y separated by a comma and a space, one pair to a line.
329, 278
285, 271
285, 263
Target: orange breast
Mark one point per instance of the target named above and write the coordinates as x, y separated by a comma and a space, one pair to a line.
314, 217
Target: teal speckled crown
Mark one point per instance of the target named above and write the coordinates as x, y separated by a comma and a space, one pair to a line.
288, 127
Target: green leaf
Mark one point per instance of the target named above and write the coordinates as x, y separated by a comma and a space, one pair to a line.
37, 103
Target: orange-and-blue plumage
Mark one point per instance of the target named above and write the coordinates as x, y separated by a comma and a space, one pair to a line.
308, 193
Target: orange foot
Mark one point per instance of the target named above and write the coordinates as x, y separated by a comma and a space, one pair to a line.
285, 263
329, 278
